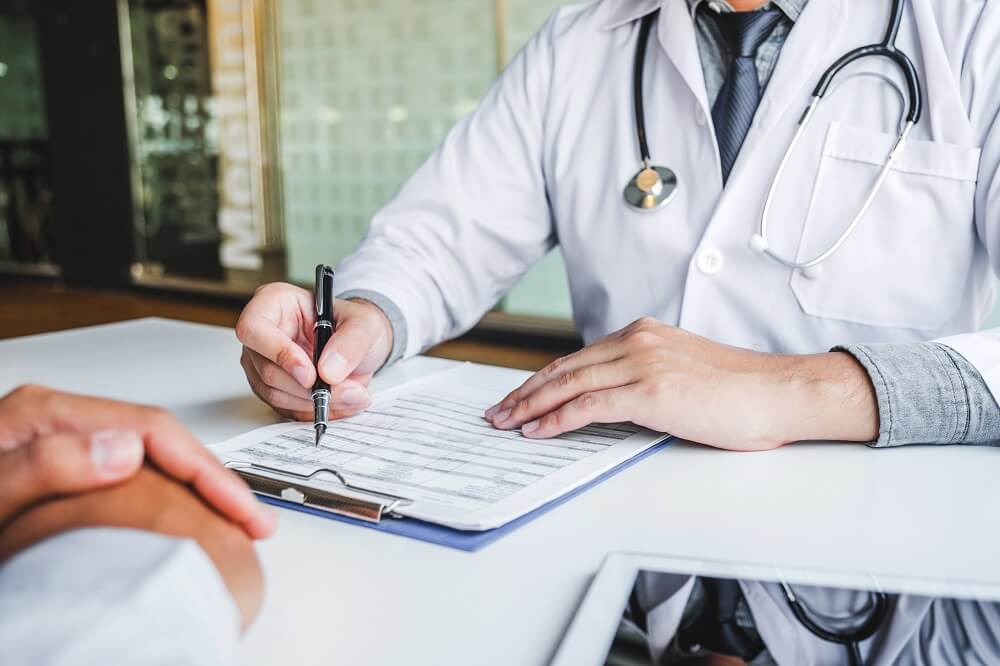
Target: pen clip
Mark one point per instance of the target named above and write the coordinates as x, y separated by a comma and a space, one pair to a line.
320, 291
324, 292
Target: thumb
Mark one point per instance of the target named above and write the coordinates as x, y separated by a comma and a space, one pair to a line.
349, 349
64, 463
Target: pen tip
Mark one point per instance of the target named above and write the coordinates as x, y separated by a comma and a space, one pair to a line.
320, 429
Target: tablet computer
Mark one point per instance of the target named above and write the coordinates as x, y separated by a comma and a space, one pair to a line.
603, 631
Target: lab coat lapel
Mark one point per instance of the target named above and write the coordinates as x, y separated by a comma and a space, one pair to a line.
677, 37
810, 48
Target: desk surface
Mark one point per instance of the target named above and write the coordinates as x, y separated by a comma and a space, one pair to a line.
350, 595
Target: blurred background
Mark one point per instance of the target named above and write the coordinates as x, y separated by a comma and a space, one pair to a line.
191, 150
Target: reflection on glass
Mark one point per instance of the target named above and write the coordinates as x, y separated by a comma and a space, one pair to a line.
677, 618
176, 141
25, 183
368, 89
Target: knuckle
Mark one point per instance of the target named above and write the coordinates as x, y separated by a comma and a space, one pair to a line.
29, 393
588, 402
523, 407
643, 338
244, 328
553, 367
283, 357
270, 374
157, 417
568, 379
554, 420
44, 463
656, 387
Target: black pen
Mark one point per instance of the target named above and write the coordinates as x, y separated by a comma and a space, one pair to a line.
323, 331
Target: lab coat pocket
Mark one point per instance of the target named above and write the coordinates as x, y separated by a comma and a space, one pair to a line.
906, 264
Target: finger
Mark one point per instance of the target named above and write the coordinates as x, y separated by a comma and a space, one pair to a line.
64, 463
597, 407
562, 389
271, 374
173, 449
262, 335
600, 352
347, 349
287, 405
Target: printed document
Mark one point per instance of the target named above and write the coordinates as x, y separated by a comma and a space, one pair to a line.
427, 441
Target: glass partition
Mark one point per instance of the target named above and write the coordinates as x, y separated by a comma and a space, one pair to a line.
367, 91
26, 194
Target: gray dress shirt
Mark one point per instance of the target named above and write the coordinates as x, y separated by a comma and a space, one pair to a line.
926, 392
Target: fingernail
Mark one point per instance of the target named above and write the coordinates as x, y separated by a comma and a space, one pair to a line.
302, 375
492, 410
529, 427
115, 452
501, 416
335, 367
355, 397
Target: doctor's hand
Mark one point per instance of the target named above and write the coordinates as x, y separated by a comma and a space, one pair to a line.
669, 380
276, 329
54, 443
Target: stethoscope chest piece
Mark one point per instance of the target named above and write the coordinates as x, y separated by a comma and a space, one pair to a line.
652, 187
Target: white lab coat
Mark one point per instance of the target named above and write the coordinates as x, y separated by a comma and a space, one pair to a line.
546, 155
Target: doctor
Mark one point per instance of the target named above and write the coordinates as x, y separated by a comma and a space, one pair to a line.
690, 327
708, 299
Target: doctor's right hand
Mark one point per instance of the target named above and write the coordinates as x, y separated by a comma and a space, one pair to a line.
276, 329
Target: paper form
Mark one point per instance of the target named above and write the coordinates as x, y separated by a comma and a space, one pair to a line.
427, 441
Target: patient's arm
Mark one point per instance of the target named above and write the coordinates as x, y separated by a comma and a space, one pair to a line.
152, 503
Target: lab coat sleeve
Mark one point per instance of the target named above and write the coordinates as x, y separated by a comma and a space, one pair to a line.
472, 219
980, 84
115, 596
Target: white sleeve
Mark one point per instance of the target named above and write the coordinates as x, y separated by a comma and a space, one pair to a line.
980, 84
115, 596
472, 219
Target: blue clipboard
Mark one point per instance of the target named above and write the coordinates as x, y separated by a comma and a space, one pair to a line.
468, 541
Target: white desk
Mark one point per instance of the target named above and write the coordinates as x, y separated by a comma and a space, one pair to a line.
342, 594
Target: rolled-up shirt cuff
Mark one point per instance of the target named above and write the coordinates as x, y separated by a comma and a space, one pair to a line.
392, 312
927, 394
115, 595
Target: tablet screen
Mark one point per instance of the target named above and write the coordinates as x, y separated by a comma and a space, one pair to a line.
677, 618
692, 616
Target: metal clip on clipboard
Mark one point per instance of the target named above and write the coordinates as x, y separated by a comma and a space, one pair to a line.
369, 510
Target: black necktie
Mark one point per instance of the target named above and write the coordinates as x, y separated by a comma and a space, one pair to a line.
738, 98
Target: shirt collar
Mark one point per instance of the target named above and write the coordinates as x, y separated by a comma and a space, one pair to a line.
626, 11
621, 12
791, 8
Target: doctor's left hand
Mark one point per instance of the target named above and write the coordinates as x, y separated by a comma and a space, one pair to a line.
669, 380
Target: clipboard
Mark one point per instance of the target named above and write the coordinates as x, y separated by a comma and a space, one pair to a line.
378, 511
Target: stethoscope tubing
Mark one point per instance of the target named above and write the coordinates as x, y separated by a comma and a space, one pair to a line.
851, 639
887, 49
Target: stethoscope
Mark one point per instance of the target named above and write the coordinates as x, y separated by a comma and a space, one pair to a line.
653, 186
851, 638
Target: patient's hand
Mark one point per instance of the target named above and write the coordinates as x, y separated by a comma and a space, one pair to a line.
149, 501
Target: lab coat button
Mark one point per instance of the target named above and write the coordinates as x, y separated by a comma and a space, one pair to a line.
710, 261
